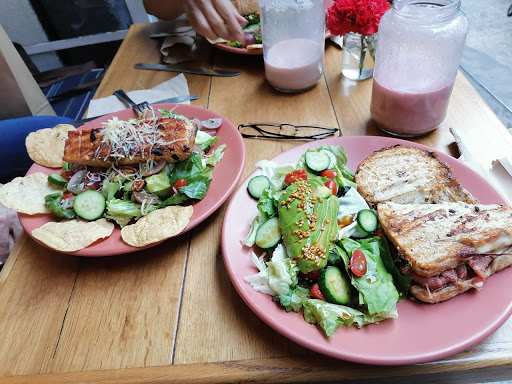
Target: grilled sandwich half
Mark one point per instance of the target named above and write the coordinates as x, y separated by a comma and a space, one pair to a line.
450, 247
408, 175
125, 142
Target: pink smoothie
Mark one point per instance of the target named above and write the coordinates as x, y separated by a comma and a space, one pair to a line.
294, 65
408, 113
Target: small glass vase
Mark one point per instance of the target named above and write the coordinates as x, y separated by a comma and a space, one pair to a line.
358, 55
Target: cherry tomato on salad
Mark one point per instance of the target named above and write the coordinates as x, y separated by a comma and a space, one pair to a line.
292, 177
379, 232
313, 275
67, 195
67, 175
358, 264
316, 293
331, 184
175, 187
329, 173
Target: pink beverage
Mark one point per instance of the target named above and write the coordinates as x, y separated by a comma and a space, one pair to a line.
294, 65
408, 113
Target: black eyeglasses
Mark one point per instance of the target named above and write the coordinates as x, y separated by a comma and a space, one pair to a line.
286, 131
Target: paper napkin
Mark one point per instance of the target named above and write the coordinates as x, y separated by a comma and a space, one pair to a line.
181, 46
176, 86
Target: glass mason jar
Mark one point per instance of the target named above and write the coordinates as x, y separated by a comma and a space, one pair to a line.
418, 54
293, 34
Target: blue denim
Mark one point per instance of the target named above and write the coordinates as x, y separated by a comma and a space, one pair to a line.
14, 160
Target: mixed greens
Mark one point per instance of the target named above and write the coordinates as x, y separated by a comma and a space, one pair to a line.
322, 253
252, 32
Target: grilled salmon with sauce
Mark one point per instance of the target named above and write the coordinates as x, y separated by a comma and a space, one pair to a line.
124, 142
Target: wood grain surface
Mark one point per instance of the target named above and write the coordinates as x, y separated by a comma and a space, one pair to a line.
170, 313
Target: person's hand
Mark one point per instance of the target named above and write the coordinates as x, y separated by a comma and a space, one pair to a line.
215, 18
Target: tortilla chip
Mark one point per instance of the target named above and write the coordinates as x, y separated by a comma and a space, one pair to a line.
72, 235
26, 194
46, 146
158, 225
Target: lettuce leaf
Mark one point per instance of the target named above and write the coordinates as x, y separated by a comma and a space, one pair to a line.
376, 288
332, 316
277, 276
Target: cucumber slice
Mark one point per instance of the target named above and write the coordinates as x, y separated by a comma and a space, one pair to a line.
268, 234
367, 220
57, 179
89, 205
334, 285
317, 160
257, 185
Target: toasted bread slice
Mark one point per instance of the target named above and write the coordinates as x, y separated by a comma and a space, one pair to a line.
437, 241
408, 175
169, 139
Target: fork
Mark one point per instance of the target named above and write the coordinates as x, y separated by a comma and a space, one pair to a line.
139, 108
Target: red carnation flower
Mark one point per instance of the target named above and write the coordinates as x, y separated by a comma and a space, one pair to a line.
357, 16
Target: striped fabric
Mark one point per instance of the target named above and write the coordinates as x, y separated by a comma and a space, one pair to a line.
73, 107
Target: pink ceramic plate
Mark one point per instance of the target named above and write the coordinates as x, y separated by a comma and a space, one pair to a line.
226, 175
422, 332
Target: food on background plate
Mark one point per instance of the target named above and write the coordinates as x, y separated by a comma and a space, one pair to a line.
157, 226
26, 194
408, 175
315, 236
252, 32
46, 146
448, 248
122, 172
246, 7
72, 235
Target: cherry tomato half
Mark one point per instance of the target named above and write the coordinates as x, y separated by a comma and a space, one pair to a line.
313, 275
379, 232
316, 293
67, 175
329, 173
175, 187
67, 195
358, 264
331, 184
292, 177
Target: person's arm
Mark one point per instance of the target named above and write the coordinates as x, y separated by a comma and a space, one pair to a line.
164, 9
210, 18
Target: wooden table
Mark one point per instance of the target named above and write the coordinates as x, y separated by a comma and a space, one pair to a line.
170, 313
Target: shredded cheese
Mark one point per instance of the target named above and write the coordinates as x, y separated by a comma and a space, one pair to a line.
126, 139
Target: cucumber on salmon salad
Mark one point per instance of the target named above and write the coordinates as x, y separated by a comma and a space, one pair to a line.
152, 170
316, 245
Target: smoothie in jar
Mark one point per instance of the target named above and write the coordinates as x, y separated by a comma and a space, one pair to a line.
294, 65
406, 113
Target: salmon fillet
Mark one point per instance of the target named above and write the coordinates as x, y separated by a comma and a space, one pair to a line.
166, 139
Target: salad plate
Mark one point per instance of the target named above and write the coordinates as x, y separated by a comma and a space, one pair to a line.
422, 332
226, 175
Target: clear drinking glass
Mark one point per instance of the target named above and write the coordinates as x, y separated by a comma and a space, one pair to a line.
293, 34
418, 54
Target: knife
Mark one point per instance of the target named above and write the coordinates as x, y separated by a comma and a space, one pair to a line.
196, 71
177, 99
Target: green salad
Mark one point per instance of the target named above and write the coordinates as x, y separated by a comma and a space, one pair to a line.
322, 253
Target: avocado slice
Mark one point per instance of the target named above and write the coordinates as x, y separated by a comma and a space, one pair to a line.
308, 223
